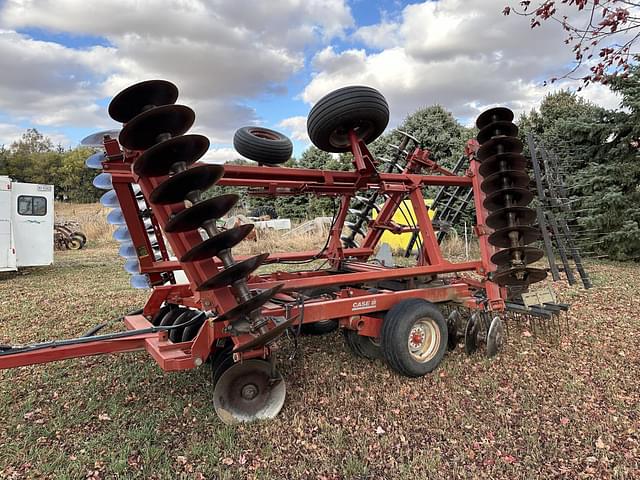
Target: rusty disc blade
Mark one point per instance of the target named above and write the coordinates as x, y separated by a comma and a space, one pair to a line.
158, 160
232, 274
140, 97
527, 255
245, 308
494, 115
526, 235
195, 216
519, 276
497, 145
505, 179
520, 215
520, 197
176, 188
265, 338
218, 243
503, 162
496, 129
145, 130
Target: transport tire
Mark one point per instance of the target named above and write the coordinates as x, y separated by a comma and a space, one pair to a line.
361, 346
262, 145
414, 337
361, 108
323, 326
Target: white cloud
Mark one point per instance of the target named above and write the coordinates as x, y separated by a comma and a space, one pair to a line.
220, 53
221, 155
296, 127
462, 54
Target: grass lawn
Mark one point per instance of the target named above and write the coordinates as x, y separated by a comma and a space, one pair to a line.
562, 407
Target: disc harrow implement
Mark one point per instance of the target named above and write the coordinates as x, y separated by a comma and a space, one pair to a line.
208, 304
507, 198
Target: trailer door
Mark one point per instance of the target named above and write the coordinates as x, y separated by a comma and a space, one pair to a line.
33, 224
7, 250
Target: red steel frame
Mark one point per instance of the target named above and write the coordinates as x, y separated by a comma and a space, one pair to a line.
354, 307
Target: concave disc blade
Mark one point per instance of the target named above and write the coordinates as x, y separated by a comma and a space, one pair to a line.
500, 238
158, 160
505, 179
496, 114
103, 181
247, 392
132, 265
244, 309
110, 199
139, 281
527, 255
521, 216
520, 197
352, 226
95, 161
196, 215
503, 161
492, 147
115, 217
264, 338
495, 337
139, 97
518, 276
232, 274
122, 234
176, 188
96, 140
143, 131
127, 250
216, 244
496, 129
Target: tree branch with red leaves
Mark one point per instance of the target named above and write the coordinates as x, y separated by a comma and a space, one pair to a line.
603, 34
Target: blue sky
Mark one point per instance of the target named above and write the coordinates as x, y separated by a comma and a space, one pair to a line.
249, 62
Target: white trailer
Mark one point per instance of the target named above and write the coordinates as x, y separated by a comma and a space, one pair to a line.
26, 224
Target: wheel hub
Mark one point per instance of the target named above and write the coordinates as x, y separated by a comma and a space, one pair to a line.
249, 391
424, 339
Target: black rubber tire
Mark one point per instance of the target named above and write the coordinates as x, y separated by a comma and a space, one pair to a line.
356, 107
263, 145
397, 326
82, 236
175, 334
190, 332
323, 326
362, 346
263, 211
157, 318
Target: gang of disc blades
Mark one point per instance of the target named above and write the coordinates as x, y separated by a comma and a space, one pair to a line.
505, 179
